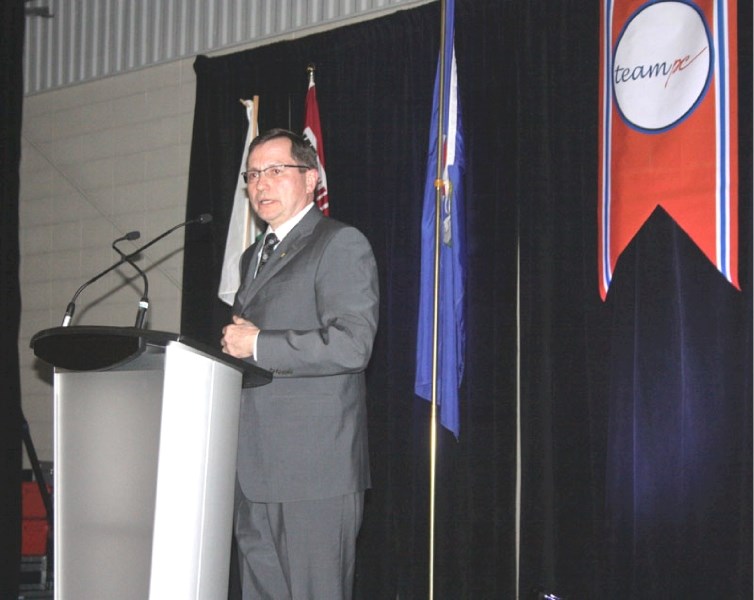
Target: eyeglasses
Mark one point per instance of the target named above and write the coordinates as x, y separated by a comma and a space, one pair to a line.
273, 172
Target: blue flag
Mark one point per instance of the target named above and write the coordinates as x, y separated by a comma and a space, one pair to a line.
451, 311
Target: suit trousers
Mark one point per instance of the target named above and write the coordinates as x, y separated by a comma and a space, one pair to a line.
303, 550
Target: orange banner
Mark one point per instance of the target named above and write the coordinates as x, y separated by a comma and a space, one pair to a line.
668, 126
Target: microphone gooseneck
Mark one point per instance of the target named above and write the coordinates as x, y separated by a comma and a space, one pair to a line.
144, 301
201, 220
71, 308
128, 258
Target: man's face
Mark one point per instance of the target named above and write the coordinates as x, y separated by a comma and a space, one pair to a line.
278, 198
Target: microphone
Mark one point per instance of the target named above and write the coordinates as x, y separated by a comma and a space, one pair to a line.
202, 219
70, 309
144, 302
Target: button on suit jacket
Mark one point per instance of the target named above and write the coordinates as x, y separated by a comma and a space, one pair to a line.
304, 435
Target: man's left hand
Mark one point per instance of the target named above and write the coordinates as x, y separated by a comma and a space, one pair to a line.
239, 338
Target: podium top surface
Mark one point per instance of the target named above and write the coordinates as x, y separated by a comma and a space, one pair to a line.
100, 347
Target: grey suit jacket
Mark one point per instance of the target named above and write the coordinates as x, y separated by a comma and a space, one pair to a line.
304, 435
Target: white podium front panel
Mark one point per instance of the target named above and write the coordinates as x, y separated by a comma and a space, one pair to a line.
196, 478
145, 459
107, 429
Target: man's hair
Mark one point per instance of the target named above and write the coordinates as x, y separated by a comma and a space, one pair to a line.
302, 151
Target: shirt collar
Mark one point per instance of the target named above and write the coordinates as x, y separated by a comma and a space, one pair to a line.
286, 227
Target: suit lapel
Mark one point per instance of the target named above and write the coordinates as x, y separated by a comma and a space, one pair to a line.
291, 245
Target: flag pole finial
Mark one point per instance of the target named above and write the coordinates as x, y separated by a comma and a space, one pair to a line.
310, 68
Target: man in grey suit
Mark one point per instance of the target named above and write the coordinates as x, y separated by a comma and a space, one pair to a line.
307, 311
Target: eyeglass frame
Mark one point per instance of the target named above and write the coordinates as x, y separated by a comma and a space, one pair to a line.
260, 172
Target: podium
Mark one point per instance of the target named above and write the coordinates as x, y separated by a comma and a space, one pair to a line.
145, 434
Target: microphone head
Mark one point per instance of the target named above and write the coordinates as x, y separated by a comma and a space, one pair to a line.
204, 219
130, 236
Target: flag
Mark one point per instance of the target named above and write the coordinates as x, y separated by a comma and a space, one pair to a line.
668, 126
451, 336
242, 230
313, 133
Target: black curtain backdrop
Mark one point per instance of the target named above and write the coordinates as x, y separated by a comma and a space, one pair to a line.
11, 99
635, 413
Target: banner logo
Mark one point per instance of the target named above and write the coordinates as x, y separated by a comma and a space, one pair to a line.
662, 65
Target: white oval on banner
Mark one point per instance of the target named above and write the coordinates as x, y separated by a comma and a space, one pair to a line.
662, 65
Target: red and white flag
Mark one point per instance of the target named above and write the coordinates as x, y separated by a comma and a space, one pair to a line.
313, 133
668, 126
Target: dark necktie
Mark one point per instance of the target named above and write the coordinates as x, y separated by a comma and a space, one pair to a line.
270, 240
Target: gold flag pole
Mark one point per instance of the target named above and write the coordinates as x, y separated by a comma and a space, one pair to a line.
254, 133
435, 309
255, 120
